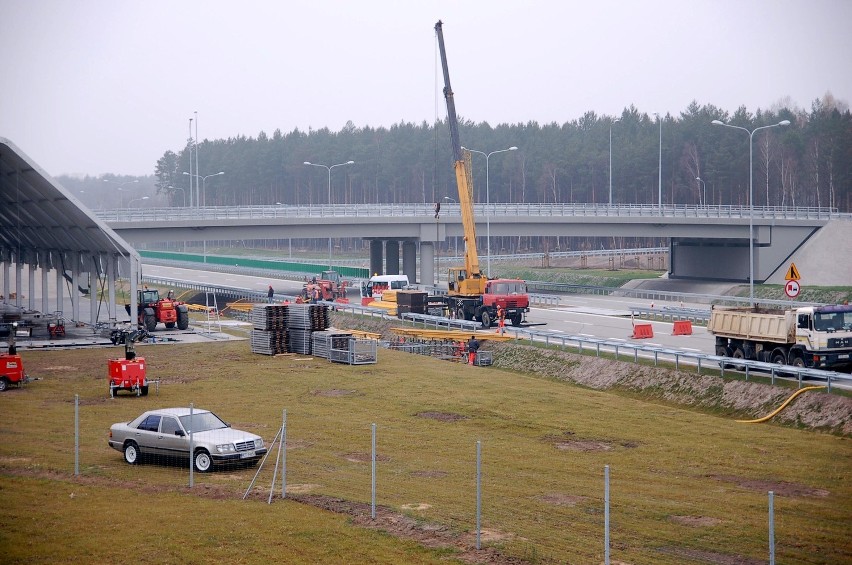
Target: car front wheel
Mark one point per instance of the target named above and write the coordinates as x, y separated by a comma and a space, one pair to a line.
131, 453
203, 462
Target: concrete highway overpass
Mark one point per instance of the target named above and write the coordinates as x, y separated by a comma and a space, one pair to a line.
706, 243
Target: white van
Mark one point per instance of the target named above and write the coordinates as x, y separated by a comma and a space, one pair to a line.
380, 283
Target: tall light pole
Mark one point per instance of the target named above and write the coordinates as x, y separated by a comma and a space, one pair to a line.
182, 190
191, 144
137, 200
750, 197
704, 199
120, 185
610, 158
198, 199
488, 202
328, 168
660, 165
203, 199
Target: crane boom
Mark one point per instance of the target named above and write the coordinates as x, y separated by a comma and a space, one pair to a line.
470, 281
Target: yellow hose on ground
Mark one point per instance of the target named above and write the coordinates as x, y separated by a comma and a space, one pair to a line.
782, 407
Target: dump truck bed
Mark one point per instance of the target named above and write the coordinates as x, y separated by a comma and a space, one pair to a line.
744, 323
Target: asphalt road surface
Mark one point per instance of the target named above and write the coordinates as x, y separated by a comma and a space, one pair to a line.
591, 316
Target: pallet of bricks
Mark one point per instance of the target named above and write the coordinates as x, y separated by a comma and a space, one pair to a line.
269, 333
302, 321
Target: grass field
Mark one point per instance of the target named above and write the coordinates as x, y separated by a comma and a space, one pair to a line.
686, 487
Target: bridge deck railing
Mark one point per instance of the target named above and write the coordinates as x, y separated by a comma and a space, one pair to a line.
482, 211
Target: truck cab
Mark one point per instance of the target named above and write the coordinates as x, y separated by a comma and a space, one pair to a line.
826, 332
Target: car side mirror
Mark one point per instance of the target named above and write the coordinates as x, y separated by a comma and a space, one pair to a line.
179, 433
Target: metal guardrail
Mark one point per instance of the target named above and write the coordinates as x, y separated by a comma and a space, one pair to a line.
582, 343
493, 210
658, 295
693, 315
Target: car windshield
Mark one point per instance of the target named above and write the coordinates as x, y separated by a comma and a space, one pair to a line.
202, 422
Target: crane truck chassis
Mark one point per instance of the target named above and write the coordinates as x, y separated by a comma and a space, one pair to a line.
813, 336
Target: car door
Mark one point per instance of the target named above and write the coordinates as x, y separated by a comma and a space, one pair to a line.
146, 434
172, 440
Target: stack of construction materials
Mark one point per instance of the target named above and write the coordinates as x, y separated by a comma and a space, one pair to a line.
269, 336
302, 321
413, 301
324, 342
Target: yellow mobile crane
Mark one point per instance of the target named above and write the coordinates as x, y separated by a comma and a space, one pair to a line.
470, 294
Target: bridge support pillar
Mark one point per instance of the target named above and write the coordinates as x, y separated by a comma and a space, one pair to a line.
19, 268
44, 265
376, 257
111, 270
60, 283
5, 281
427, 263
392, 257
75, 284
409, 260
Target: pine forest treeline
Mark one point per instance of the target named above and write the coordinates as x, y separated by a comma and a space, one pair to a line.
808, 163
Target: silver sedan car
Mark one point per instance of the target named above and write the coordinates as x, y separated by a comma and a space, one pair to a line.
165, 434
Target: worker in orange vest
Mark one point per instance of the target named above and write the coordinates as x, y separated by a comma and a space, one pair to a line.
501, 320
472, 348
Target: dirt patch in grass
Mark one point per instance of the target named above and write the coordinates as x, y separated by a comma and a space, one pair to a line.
299, 444
335, 392
583, 445
710, 556
781, 488
429, 474
560, 499
442, 416
695, 521
427, 534
59, 368
302, 488
364, 457
416, 506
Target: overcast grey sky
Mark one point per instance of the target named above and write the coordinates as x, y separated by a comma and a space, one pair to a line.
107, 86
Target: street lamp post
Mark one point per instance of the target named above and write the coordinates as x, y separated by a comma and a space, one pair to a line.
203, 200
121, 196
328, 168
660, 166
488, 202
610, 159
750, 197
137, 200
180, 189
703, 184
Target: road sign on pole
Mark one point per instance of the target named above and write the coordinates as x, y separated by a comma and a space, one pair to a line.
792, 289
792, 273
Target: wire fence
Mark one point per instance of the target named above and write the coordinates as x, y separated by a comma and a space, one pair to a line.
364, 467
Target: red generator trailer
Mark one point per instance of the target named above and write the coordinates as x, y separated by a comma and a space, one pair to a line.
11, 371
129, 375
11, 364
